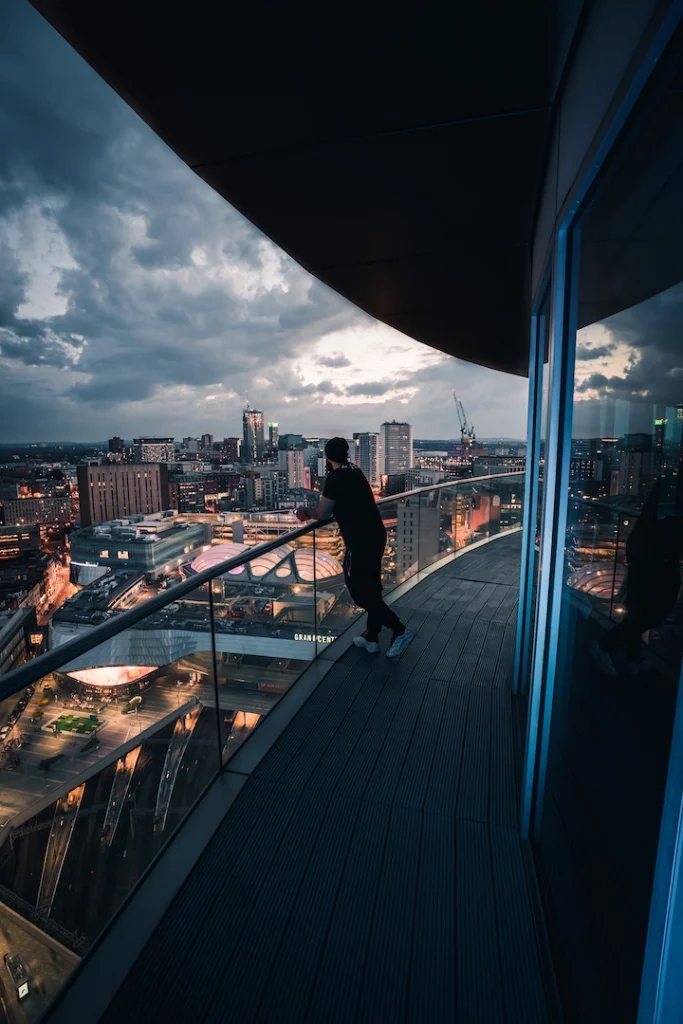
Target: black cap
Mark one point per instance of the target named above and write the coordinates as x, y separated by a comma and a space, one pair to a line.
337, 449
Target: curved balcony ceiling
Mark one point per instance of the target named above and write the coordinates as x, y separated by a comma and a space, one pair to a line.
396, 153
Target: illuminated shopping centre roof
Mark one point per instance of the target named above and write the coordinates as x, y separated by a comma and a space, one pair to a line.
284, 565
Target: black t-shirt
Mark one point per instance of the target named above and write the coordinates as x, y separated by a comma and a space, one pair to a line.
355, 510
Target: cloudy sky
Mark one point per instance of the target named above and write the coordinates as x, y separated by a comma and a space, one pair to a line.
134, 300
629, 368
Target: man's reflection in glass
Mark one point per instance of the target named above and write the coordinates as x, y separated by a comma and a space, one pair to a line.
653, 581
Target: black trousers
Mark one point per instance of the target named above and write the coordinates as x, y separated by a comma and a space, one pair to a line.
645, 608
627, 635
363, 575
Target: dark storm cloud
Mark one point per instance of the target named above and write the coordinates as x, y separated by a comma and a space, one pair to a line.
336, 360
584, 352
323, 387
170, 286
651, 379
654, 332
630, 386
375, 387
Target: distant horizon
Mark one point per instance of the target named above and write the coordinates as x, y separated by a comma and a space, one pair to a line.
105, 441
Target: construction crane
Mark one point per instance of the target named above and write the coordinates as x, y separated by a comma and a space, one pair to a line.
467, 434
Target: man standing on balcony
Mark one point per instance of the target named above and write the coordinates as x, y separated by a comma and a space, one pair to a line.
348, 497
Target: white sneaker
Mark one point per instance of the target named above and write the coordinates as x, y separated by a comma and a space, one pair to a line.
602, 659
371, 646
400, 643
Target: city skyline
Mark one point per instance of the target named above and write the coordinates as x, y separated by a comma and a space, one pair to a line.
137, 301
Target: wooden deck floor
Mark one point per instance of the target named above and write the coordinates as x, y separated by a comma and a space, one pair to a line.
371, 869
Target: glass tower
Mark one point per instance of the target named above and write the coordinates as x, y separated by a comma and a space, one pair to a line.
252, 430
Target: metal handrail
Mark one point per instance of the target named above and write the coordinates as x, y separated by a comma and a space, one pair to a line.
48, 662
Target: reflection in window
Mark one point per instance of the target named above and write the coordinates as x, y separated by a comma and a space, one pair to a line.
621, 627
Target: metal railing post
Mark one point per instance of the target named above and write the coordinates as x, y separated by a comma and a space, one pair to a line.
215, 675
315, 596
614, 570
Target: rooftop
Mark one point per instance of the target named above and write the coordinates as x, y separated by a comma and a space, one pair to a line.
136, 529
95, 602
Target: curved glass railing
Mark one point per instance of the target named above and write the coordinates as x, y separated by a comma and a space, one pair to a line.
111, 737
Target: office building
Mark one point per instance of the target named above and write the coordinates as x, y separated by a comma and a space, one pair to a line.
38, 510
28, 580
18, 540
230, 449
273, 436
286, 441
115, 491
291, 462
19, 637
396, 447
366, 453
116, 445
485, 513
417, 538
207, 442
153, 545
253, 441
153, 449
186, 492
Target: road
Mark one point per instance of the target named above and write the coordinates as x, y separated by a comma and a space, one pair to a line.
64, 589
47, 970
180, 739
28, 785
57, 847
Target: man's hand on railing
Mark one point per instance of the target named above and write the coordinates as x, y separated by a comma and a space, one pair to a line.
322, 513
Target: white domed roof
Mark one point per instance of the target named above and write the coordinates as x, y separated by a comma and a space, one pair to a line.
217, 554
325, 565
277, 562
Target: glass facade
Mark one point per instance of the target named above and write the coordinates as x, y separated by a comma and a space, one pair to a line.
605, 645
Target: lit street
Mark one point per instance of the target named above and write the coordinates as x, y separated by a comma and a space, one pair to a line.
64, 589
47, 967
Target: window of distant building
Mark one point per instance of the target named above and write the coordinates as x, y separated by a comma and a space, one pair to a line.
122, 554
104, 554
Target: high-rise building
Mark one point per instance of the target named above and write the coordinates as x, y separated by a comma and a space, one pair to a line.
153, 449
286, 441
417, 538
273, 436
396, 447
366, 452
292, 462
186, 492
115, 491
230, 449
116, 445
252, 431
207, 441
485, 513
